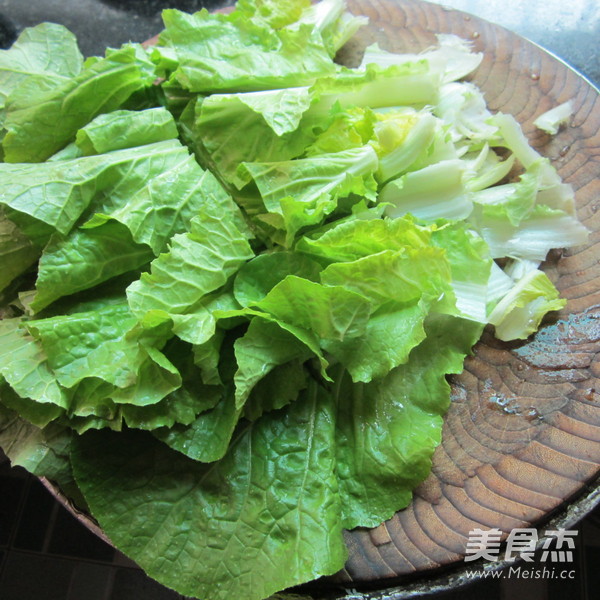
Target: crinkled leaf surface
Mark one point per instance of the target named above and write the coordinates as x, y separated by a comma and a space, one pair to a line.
400, 276
36, 413
207, 438
70, 359
58, 192
17, 251
103, 344
301, 333
262, 348
122, 129
260, 275
519, 313
37, 131
275, 13
215, 52
197, 263
42, 451
387, 429
166, 205
24, 366
359, 238
45, 55
154, 193
199, 325
182, 405
332, 312
392, 332
85, 259
55, 193
307, 180
279, 387
269, 121
266, 516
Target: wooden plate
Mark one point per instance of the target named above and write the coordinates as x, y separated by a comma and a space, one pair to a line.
521, 439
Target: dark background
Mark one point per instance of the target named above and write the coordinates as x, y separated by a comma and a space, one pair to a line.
45, 554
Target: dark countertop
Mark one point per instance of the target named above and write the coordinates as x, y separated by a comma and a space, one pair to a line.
44, 553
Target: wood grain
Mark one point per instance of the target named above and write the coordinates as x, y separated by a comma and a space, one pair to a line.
522, 435
521, 438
